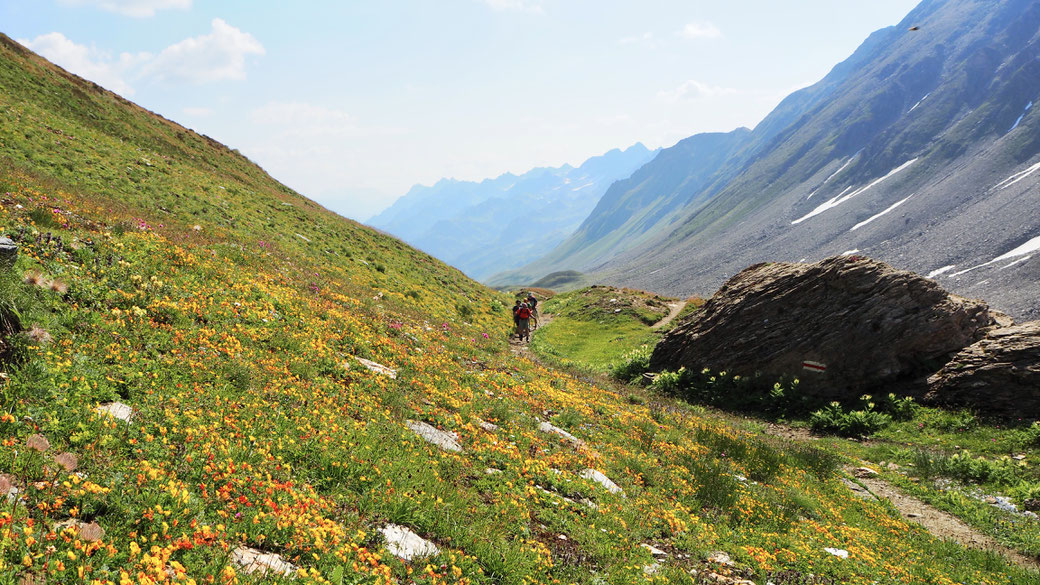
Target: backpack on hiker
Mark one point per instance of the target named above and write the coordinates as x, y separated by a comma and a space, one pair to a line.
523, 313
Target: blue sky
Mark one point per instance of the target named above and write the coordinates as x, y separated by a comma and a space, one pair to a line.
351, 102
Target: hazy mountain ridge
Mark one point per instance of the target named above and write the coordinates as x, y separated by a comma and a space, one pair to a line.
506, 221
910, 157
681, 179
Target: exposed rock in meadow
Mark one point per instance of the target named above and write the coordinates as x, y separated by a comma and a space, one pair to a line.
405, 544
256, 561
117, 410
843, 326
998, 374
552, 429
431, 434
8, 251
603, 480
377, 368
653, 550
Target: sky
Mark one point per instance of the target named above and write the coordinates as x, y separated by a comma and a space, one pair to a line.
351, 102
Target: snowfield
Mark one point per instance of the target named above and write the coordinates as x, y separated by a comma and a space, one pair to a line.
831, 204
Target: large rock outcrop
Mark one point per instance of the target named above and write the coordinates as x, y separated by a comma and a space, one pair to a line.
844, 326
999, 374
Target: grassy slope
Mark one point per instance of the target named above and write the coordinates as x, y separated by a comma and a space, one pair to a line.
235, 344
593, 327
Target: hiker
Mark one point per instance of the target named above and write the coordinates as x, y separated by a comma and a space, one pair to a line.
532, 303
524, 322
516, 319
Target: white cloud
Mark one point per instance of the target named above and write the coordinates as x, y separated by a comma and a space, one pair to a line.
134, 8
218, 56
88, 62
701, 30
516, 5
693, 90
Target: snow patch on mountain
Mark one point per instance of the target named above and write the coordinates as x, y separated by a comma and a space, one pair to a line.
1015, 125
834, 174
1017, 177
1027, 248
919, 102
836, 201
890, 208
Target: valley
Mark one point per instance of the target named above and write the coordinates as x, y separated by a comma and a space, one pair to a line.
208, 377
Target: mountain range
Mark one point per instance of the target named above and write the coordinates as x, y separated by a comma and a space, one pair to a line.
920, 149
503, 223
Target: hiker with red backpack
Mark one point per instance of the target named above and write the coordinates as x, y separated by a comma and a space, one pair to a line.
523, 316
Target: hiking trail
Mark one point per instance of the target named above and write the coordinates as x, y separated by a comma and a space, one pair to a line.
941, 524
938, 523
676, 308
520, 347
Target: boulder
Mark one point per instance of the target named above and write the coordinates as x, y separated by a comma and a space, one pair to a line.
8, 251
844, 326
999, 374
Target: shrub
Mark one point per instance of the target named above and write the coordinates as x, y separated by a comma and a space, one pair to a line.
902, 409
670, 382
966, 467
632, 365
1033, 435
833, 419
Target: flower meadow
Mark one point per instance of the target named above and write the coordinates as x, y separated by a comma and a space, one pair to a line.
160, 271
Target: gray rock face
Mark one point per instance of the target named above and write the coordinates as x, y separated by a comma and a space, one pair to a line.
1000, 374
8, 251
843, 326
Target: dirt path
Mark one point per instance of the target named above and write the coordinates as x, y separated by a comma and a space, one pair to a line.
941, 524
676, 308
520, 347
937, 522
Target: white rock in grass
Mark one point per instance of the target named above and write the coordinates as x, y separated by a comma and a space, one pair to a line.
603, 480
651, 569
257, 561
654, 550
546, 427
116, 410
838, 552
378, 368
489, 427
446, 441
405, 544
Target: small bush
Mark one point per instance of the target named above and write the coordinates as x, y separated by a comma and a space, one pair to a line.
670, 382
966, 467
632, 365
833, 419
1033, 435
898, 408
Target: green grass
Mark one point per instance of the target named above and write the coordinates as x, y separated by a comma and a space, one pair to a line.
595, 327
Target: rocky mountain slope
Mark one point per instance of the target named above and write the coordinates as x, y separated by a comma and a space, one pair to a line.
505, 222
921, 150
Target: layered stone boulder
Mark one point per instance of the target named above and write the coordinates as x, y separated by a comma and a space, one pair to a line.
844, 326
999, 374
